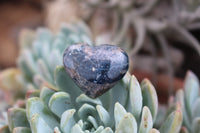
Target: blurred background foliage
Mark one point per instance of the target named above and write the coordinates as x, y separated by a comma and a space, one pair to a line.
161, 36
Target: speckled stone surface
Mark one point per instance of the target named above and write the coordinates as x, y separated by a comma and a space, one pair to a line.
95, 69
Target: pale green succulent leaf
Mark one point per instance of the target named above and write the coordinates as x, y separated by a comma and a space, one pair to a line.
57, 130
93, 121
196, 125
99, 129
107, 130
191, 91
85, 99
67, 120
17, 118
196, 109
46, 94
104, 116
80, 123
180, 99
76, 129
21, 130
135, 97
127, 124
173, 122
119, 113
38, 125
59, 103
150, 98
36, 106
153, 130
65, 83
87, 110
146, 121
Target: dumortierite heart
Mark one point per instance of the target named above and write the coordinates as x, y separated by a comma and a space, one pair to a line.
95, 69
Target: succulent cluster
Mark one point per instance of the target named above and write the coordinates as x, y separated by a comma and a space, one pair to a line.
128, 107
189, 100
54, 103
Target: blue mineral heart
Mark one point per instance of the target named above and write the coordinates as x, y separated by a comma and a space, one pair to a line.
95, 69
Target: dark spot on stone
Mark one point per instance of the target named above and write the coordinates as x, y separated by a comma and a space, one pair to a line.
95, 69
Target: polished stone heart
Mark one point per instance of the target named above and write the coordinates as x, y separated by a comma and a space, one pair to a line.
95, 69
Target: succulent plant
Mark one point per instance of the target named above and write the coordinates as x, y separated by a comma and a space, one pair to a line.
128, 107
189, 99
61, 107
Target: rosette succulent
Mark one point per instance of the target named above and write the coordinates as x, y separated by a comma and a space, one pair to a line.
54, 103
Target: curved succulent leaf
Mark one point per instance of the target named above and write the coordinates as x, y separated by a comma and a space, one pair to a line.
173, 122
146, 121
127, 124
191, 91
150, 98
17, 118
35, 106
67, 121
104, 116
38, 125
59, 103
135, 97
119, 113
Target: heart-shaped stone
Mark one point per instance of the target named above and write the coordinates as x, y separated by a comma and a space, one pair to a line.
95, 69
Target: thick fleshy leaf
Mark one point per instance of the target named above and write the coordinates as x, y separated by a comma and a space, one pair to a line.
59, 103
76, 129
4, 129
21, 130
127, 124
87, 110
65, 83
17, 118
196, 125
93, 121
107, 130
67, 121
99, 129
196, 109
104, 116
119, 113
135, 97
57, 130
46, 94
180, 99
146, 121
173, 122
36, 106
38, 125
85, 99
150, 98
191, 91
153, 131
